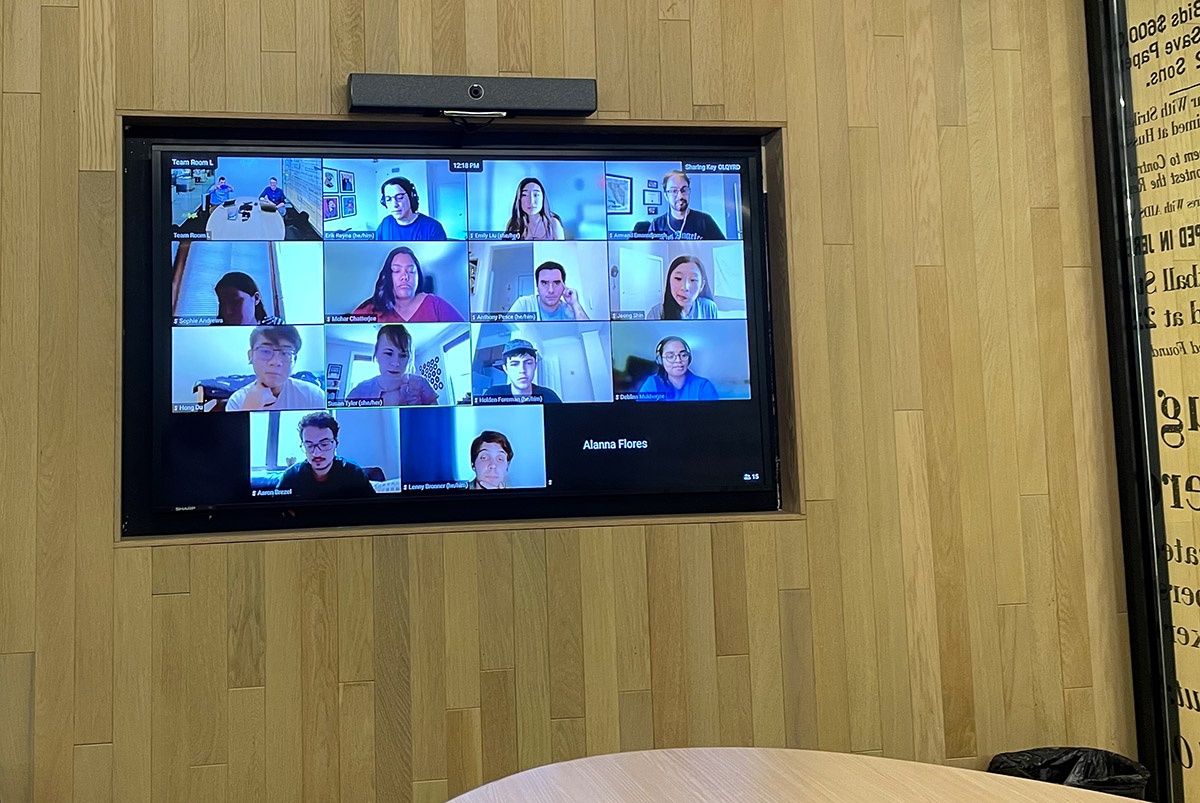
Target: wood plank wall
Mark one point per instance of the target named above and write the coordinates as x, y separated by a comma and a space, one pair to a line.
955, 591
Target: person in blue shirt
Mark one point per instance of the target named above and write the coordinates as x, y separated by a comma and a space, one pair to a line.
221, 192
399, 196
674, 380
272, 193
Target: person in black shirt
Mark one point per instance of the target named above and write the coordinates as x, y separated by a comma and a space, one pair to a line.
520, 364
324, 475
681, 221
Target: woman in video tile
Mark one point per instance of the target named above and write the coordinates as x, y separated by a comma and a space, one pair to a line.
491, 454
674, 380
687, 295
398, 296
239, 302
395, 385
531, 216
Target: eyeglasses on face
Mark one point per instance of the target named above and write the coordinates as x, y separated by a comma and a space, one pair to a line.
676, 356
387, 199
675, 191
269, 352
321, 446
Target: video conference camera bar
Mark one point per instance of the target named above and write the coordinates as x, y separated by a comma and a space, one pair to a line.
472, 97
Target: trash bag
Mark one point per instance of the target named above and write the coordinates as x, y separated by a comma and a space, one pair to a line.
1083, 767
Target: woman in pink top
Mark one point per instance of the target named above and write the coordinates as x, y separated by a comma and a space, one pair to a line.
398, 297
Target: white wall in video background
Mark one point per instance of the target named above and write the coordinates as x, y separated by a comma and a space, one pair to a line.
200, 353
525, 430
573, 358
353, 268
574, 191
246, 175
642, 268
441, 356
507, 271
719, 353
716, 194
289, 285
441, 194
369, 438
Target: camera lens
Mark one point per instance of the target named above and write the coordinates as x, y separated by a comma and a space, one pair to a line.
475, 91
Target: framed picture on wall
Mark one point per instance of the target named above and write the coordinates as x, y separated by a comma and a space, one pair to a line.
651, 197
329, 180
618, 194
331, 210
347, 179
349, 208
651, 210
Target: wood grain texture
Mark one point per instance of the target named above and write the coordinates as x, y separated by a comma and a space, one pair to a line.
246, 616
356, 741
601, 703
461, 562
95, 506
57, 394
957, 574
498, 723
632, 605
16, 725
530, 615
566, 624
247, 777
393, 668
428, 604
20, 155
93, 765
132, 675
667, 672
207, 656
319, 718
284, 748
495, 601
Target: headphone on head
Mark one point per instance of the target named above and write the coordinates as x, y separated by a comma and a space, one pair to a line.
409, 188
658, 358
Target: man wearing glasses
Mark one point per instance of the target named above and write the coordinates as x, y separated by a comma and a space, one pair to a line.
323, 475
680, 221
273, 350
399, 197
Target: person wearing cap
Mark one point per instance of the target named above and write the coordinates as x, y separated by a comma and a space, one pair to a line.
553, 301
520, 364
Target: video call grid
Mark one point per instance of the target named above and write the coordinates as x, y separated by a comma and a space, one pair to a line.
614, 326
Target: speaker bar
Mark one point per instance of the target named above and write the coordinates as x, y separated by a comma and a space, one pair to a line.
436, 94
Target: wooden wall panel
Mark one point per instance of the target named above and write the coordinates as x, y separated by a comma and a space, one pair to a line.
955, 591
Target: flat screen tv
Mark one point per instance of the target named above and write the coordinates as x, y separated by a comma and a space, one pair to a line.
364, 325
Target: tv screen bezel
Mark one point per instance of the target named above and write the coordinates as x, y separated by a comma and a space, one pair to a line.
143, 307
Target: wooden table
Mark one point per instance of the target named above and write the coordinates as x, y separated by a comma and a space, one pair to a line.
261, 225
761, 775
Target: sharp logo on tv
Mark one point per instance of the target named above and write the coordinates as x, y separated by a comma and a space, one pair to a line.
505, 336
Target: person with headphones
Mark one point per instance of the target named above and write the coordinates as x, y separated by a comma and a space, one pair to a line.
674, 380
399, 196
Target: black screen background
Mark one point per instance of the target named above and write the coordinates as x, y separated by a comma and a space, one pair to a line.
188, 473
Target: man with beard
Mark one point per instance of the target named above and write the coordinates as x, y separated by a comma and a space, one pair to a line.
323, 475
681, 221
